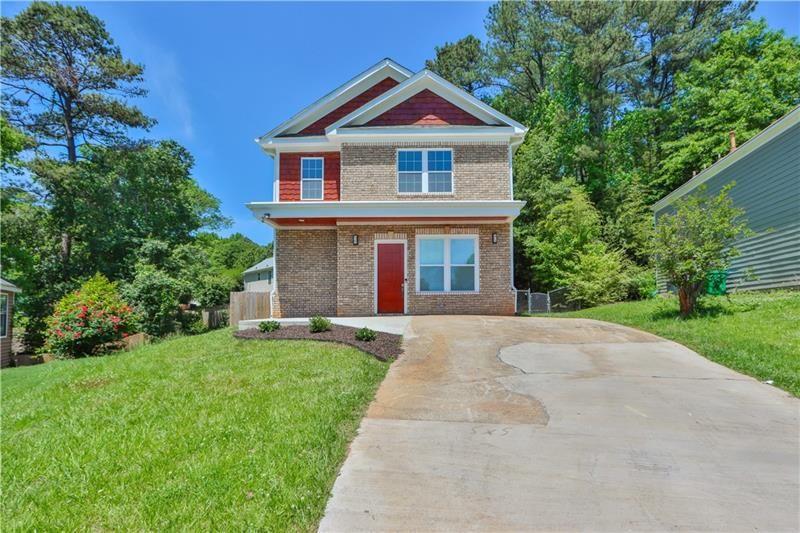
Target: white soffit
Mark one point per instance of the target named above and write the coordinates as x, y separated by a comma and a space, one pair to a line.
355, 86
387, 208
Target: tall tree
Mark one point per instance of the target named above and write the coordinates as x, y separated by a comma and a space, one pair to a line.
750, 78
66, 84
669, 36
462, 63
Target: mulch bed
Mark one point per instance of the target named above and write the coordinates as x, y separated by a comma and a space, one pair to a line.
385, 346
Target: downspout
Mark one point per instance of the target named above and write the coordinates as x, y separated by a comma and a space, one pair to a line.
511, 149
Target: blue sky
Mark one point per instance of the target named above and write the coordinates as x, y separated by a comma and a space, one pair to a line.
220, 74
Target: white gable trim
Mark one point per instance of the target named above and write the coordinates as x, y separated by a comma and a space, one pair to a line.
337, 97
425, 79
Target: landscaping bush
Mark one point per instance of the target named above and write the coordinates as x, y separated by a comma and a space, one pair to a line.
318, 324
268, 326
87, 320
366, 335
598, 277
154, 294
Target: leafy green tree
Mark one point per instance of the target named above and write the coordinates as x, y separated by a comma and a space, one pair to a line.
696, 239
12, 142
463, 63
750, 78
597, 276
561, 236
65, 84
154, 295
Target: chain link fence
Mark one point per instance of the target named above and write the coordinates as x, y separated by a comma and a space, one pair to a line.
555, 301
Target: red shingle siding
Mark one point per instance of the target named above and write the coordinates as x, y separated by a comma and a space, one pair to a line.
318, 127
290, 175
426, 108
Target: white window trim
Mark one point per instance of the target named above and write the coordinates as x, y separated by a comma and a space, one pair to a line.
404, 242
321, 180
447, 264
8, 316
425, 171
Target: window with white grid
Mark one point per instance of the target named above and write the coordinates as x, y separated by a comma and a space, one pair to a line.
312, 170
425, 171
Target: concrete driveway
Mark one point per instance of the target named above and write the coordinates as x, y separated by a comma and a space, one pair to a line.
559, 424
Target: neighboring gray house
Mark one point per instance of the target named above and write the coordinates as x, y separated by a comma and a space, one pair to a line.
258, 278
766, 170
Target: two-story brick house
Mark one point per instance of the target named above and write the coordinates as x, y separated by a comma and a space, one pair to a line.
393, 194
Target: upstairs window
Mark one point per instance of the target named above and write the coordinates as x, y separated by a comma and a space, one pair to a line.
312, 170
425, 171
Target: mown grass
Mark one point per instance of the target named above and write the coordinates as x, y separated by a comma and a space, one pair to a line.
754, 333
204, 432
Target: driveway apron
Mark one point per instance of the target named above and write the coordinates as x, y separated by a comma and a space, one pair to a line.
526, 424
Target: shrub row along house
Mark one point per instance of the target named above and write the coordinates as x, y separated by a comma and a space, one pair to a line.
393, 194
766, 173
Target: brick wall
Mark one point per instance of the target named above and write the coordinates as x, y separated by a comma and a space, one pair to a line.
306, 273
356, 271
369, 172
290, 175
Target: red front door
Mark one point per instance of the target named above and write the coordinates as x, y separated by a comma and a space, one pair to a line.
391, 276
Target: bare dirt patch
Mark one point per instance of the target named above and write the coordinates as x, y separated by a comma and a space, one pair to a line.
386, 346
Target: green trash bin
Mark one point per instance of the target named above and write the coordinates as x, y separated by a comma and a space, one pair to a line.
716, 282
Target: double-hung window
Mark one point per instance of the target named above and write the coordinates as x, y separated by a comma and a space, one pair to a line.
312, 170
447, 263
3, 315
425, 171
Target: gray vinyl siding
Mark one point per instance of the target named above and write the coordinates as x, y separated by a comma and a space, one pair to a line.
768, 189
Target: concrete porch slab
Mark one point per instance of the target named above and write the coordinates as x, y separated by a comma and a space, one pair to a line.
387, 324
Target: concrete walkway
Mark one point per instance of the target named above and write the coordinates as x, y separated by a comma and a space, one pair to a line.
526, 424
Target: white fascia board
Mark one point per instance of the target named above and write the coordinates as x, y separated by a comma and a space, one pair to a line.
329, 102
425, 79
411, 133
387, 209
766, 135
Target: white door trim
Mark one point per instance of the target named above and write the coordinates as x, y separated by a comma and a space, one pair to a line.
404, 242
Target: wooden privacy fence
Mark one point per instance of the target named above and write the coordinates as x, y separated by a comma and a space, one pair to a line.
214, 317
248, 305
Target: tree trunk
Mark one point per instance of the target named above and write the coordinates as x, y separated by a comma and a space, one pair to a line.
687, 295
72, 156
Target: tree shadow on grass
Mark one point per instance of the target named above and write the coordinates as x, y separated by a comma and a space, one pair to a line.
708, 307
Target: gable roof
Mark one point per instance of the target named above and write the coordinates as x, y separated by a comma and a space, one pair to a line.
766, 135
7, 286
264, 264
353, 87
425, 79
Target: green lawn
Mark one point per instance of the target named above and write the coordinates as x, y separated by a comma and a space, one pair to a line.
204, 432
754, 333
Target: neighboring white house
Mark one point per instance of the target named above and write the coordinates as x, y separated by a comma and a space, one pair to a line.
258, 278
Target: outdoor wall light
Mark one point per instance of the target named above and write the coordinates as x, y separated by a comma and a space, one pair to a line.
355, 240
494, 238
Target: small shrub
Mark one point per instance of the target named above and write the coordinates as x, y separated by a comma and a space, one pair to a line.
318, 324
269, 326
366, 335
195, 327
87, 320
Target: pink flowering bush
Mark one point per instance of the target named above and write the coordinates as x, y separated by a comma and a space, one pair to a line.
87, 320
